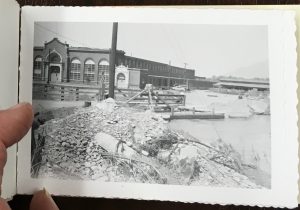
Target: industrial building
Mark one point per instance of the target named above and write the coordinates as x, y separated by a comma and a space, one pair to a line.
57, 62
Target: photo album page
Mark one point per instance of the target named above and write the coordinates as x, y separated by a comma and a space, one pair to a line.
169, 104
9, 52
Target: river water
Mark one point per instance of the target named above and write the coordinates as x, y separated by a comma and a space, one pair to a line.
248, 136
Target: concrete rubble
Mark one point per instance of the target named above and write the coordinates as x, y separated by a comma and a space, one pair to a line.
108, 142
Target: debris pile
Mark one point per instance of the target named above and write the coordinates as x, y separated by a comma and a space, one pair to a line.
111, 143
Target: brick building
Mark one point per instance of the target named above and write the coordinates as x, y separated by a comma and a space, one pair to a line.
57, 62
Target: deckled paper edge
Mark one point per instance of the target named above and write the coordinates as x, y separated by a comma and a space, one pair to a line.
296, 9
291, 100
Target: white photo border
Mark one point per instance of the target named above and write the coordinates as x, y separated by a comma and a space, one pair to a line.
283, 95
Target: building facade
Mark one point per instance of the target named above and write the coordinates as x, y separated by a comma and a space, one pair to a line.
57, 62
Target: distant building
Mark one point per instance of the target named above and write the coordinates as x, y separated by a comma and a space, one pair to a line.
243, 84
57, 62
199, 78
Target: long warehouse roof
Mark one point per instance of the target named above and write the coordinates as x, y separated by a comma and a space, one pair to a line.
236, 84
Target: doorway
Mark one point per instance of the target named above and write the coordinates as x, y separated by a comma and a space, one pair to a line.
121, 81
55, 73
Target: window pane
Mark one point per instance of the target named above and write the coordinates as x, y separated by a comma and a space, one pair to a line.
89, 71
75, 71
37, 69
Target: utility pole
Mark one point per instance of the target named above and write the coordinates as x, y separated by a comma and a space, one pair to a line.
112, 60
169, 72
186, 81
68, 65
49, 62
102, 87
185, 65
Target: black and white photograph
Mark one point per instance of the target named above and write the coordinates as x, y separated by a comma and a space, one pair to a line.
171, 104
166, 104
182, 104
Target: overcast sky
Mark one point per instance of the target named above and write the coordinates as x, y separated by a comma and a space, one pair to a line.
209, 49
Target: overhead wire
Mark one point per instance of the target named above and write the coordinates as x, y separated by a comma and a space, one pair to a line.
60, 35
169, 40
179, 47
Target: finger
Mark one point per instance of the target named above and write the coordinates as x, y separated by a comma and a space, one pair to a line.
15, 123
42, 200
3, 156
4, 205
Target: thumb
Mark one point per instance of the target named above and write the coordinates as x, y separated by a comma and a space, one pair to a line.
15, 123
42, 200
4, 205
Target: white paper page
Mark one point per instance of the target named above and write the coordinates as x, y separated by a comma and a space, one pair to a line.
281, 55
9, 50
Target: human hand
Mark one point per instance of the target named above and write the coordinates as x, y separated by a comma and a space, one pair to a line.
14, 124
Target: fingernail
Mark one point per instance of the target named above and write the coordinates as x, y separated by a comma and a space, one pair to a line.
49, 197
47, 193
18, 105
42, 200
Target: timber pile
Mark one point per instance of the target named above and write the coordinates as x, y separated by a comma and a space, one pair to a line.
112, 143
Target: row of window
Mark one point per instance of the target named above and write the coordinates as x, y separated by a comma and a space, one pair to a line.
89, 70
163, 82
146, 65
38, 62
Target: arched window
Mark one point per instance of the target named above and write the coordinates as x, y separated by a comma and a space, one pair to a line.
103, 71
89, 70
55, 58
120, 76
37, 68
75, 70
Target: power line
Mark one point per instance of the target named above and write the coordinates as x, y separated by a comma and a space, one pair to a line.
169, 39
179, 47
60, 35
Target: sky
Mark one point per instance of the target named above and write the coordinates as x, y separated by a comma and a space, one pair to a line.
212, 50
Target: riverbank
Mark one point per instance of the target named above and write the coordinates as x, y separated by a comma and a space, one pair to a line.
248, 132
108, 142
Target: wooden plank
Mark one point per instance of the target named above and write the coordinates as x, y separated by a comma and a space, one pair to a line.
68, 86
128, 90
138, 102
135, 96
177, 116
59, 93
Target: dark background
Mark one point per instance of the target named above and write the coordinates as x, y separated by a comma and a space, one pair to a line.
21, 202
152, 2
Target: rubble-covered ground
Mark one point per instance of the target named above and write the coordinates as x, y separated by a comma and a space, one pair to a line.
116, 143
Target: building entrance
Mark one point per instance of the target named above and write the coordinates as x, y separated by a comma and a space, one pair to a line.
55, 72
121, 81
